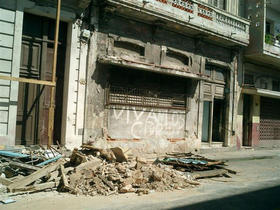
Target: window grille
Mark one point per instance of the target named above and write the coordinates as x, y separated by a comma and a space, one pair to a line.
117, 95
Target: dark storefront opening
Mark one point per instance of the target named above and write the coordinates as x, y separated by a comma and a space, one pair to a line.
206, 121
269, 119
247, 120
146, 89
146, 105
36, 62
218, 121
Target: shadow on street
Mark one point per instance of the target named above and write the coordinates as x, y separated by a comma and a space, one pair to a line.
265, 199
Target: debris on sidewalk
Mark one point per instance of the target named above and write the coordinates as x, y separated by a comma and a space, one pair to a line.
92, 171
8, 201
189, 162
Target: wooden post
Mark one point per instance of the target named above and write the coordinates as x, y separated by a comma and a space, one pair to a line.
52, 100
29, 81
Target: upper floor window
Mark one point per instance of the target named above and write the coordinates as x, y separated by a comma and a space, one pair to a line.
218, 3
276, 85
214, 72
268, 27
248, 79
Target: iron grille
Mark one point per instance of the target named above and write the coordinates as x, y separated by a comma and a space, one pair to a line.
270, 119
145, 98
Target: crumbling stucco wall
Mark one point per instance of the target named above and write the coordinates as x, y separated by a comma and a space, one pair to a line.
134, 45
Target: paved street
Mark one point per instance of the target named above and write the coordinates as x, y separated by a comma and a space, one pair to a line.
257, 186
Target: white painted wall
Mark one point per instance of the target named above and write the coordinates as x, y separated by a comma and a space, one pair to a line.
10, 49
11, 22
74, 88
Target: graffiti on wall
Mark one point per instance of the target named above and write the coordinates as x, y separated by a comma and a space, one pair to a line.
137, 124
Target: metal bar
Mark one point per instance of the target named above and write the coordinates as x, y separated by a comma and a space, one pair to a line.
148, 106
50, 160
52, 101
13, 154
31, 81
35, 39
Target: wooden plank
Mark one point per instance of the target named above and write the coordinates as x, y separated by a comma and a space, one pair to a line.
65, 180
37, 187
229, 170
3, 116
63, 177
7, 15
6, 53
6, 40
5, 181
5, 82
209, 173
20, 183
24, 166
3, 129
5, 66
25, 80
53, 176
7, 28
5, 91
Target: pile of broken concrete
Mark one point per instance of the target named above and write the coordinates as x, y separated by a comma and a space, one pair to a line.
92, 171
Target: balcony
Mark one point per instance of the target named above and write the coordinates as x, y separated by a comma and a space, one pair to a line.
264, 44
272, 45
191, 17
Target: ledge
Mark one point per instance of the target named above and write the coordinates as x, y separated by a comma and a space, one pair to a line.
199, 17
151, 67
261, 92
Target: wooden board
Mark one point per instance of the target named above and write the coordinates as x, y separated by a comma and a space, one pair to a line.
20, 183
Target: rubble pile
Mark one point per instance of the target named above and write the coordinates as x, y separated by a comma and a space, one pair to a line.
132, 176
92, 171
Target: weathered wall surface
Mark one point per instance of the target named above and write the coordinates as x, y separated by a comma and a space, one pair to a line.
134, 45
10, 47
146, 123
74, 88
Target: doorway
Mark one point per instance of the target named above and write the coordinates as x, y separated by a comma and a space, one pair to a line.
206, 121
213, 123
247, 120
36, 63
218, 121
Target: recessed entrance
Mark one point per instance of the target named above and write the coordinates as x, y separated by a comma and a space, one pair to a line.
206, 121
247, 120
36, 62
213, 124
218, 121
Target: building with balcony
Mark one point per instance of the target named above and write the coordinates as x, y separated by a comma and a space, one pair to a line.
162, 74
260, 97
151, 75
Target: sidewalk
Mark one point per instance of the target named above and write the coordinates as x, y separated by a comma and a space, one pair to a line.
256, 186
244, 154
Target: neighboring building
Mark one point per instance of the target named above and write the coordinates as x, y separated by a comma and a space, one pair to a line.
162, 74
155, 75
260, 99
26, 50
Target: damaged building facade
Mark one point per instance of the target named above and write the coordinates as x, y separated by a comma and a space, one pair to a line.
162, 74
259, 101
27, 31
154, 76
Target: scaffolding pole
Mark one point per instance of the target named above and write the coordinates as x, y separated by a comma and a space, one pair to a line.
26, 80
52, 100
